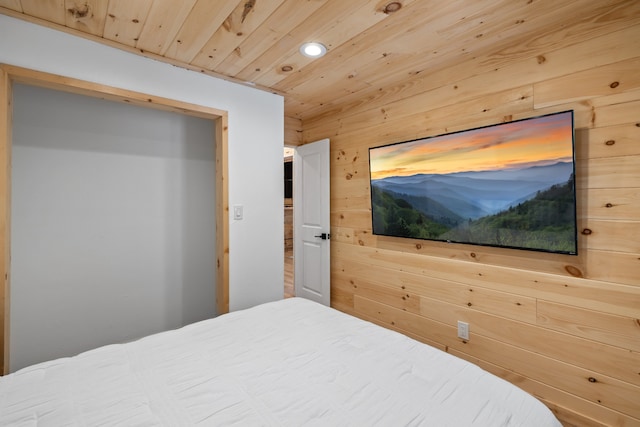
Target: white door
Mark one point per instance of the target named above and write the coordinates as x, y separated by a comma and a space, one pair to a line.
311, 222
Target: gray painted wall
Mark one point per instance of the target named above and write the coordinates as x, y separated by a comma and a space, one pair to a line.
113, 223
256, 134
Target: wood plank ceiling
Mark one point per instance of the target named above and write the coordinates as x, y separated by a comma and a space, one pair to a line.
374, 47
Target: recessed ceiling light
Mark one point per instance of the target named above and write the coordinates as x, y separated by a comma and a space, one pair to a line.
313, 50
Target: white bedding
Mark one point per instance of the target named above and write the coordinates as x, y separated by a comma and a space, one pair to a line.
287, 363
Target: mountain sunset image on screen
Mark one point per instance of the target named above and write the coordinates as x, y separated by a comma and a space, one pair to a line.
510, 185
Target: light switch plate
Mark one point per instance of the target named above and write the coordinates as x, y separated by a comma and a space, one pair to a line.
238, 213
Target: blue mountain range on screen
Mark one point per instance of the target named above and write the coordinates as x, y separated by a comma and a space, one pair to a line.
473, 195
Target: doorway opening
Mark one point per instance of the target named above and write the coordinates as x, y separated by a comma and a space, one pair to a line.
289, 289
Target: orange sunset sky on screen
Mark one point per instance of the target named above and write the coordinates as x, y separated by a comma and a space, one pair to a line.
539, 141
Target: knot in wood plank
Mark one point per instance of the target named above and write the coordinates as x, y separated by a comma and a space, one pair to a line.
248, 7
574, 271
80, 12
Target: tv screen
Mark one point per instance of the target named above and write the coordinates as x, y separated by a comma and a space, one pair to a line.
507, 185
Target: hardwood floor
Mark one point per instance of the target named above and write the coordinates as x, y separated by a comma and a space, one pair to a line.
288, 274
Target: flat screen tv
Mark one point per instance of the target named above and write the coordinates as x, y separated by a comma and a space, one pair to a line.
507, 185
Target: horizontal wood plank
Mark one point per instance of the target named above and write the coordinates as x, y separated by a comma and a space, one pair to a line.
612, 141
609, 172
619, 236
587, 84
610, 203
592, 294
572, 411
478, 76
609, 392
621, 331
504, 304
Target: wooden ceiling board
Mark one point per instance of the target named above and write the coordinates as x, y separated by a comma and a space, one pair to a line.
522, 65
397, 34
438, 53
202, 22
434, 51
469, 22
405, 38
516, 46
49, 10
332, 25
125, 19
274, 28
238, 26
162, 24
371, 53
11, 4
545, 33
86, 15
515, 40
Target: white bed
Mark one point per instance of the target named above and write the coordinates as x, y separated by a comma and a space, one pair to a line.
286, 363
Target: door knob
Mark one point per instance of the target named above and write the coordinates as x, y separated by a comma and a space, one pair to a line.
324, 236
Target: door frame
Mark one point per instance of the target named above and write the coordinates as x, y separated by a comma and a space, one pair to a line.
11, 74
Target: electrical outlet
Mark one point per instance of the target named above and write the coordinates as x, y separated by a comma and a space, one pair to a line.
463, 330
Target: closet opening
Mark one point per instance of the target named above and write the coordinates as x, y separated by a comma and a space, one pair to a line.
10, 75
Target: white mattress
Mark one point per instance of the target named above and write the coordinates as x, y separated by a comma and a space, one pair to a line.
287, 363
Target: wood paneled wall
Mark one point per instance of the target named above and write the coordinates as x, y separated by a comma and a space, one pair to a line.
292, 132
565, 328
